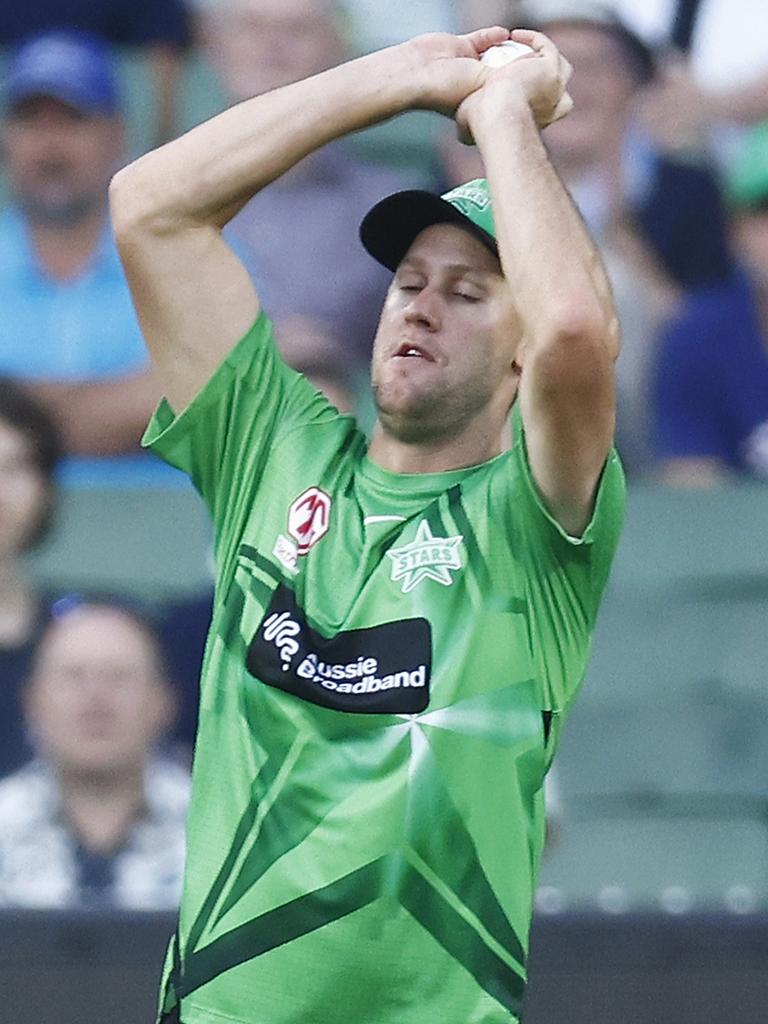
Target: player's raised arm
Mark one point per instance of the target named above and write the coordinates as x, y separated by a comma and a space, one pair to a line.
570, 332
193, 297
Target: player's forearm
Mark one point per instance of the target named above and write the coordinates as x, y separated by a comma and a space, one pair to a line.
549, 259
207, 175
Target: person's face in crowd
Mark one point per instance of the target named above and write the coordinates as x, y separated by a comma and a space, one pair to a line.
602, 87
59, 159
750, 230
24, 492
444, 351
258, 45
97, 702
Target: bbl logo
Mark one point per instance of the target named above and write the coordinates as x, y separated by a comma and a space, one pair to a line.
308, 520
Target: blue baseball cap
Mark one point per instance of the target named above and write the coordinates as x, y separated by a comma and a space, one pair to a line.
74, 67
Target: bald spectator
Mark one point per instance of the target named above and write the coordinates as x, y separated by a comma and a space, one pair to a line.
68, 327
299, 235
98, 818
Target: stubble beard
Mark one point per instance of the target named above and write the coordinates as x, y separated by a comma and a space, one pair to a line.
56, 203
432, 415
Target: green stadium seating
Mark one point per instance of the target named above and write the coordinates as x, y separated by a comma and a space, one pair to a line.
151, 543
676, 753
671, 863
686, 609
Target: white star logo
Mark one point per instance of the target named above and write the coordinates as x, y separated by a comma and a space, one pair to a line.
426, 557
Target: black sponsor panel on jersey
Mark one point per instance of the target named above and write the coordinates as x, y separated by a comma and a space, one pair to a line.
384, 669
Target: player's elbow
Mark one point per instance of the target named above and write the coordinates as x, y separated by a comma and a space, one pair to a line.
577, 336
139, 205
577, 360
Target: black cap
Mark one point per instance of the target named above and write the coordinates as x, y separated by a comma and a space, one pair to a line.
389, 229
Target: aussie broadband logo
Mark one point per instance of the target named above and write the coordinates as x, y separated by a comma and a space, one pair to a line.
426, 558
337, 677
383, 669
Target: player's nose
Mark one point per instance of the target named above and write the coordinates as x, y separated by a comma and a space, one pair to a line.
423, 309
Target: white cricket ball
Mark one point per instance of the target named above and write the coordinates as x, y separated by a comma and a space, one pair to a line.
504, 53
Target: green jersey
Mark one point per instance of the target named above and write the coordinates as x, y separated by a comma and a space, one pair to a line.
389, 664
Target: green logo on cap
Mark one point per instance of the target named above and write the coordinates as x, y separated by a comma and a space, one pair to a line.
474, 192
473, 200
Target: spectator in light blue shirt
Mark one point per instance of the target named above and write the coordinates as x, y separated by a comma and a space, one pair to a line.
68, 330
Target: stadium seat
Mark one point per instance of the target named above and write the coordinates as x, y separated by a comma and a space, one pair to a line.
674, 864
714, 753
151, 543
684, 615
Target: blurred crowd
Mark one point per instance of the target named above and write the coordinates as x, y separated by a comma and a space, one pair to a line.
666, 156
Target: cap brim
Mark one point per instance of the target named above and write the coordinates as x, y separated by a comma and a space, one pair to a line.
22, 90
389, 229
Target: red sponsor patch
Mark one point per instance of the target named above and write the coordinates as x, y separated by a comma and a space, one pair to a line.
308, 518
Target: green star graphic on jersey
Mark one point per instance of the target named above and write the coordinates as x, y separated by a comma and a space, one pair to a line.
426, 557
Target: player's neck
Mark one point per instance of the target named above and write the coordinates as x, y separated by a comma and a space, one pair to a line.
439, 455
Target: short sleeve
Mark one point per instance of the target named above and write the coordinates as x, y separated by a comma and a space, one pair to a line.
223, 438
566, 576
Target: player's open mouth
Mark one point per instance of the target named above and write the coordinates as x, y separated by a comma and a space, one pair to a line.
410, 351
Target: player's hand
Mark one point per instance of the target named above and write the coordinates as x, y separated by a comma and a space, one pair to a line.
444, 69
539, 80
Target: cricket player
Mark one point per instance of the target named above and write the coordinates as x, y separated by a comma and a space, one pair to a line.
400, 626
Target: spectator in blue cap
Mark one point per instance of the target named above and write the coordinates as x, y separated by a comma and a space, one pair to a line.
68, 329
72, 67
158, 29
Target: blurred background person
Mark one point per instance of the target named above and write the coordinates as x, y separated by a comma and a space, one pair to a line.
98, 818
655, 210
68, 328
711, 383
708, 80
156, 29
29, 453
298, 236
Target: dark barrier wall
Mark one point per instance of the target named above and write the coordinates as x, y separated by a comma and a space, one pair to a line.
58, 968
